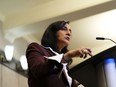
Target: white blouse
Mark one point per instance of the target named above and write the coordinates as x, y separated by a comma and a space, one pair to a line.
58, 57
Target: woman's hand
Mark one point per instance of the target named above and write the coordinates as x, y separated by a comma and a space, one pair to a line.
82, 53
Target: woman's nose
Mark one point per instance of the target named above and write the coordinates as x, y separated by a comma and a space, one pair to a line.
69, 33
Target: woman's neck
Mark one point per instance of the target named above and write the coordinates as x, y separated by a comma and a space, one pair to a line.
60, 47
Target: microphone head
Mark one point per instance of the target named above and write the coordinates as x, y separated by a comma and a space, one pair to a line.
100, 38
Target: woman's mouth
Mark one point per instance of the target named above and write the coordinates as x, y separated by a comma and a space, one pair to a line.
67, 38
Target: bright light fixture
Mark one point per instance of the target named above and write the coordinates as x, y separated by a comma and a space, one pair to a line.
23, 62
9, 50
110, 72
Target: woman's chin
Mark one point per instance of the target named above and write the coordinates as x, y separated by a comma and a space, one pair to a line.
67, 43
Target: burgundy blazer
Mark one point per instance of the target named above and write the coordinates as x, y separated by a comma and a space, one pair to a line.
41, 71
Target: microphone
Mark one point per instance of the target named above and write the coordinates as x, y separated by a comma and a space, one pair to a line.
102, 38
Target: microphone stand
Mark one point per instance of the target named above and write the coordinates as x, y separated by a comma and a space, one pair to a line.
110, 40
102, 38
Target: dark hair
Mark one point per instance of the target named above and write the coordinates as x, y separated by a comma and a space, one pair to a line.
49, 38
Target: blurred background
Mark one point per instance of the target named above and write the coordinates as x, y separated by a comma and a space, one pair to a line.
24, 21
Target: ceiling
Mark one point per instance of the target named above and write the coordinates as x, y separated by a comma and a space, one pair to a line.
24, 21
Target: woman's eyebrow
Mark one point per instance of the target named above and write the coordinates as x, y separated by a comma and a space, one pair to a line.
68, 29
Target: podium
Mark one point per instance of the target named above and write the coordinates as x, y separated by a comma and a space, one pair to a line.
97, 71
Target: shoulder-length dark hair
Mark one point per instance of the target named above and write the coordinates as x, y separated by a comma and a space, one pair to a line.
49, 38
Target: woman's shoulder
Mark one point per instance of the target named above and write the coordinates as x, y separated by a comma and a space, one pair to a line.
34, 44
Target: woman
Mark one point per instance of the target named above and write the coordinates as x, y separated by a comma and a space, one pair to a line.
48, 62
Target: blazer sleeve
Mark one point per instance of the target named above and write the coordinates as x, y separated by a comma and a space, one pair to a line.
38, 65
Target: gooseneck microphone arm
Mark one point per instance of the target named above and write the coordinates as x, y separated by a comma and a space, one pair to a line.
102, 38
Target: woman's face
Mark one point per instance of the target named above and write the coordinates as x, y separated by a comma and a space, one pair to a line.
64, 36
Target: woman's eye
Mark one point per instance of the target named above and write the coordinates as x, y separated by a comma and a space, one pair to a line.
64, 28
